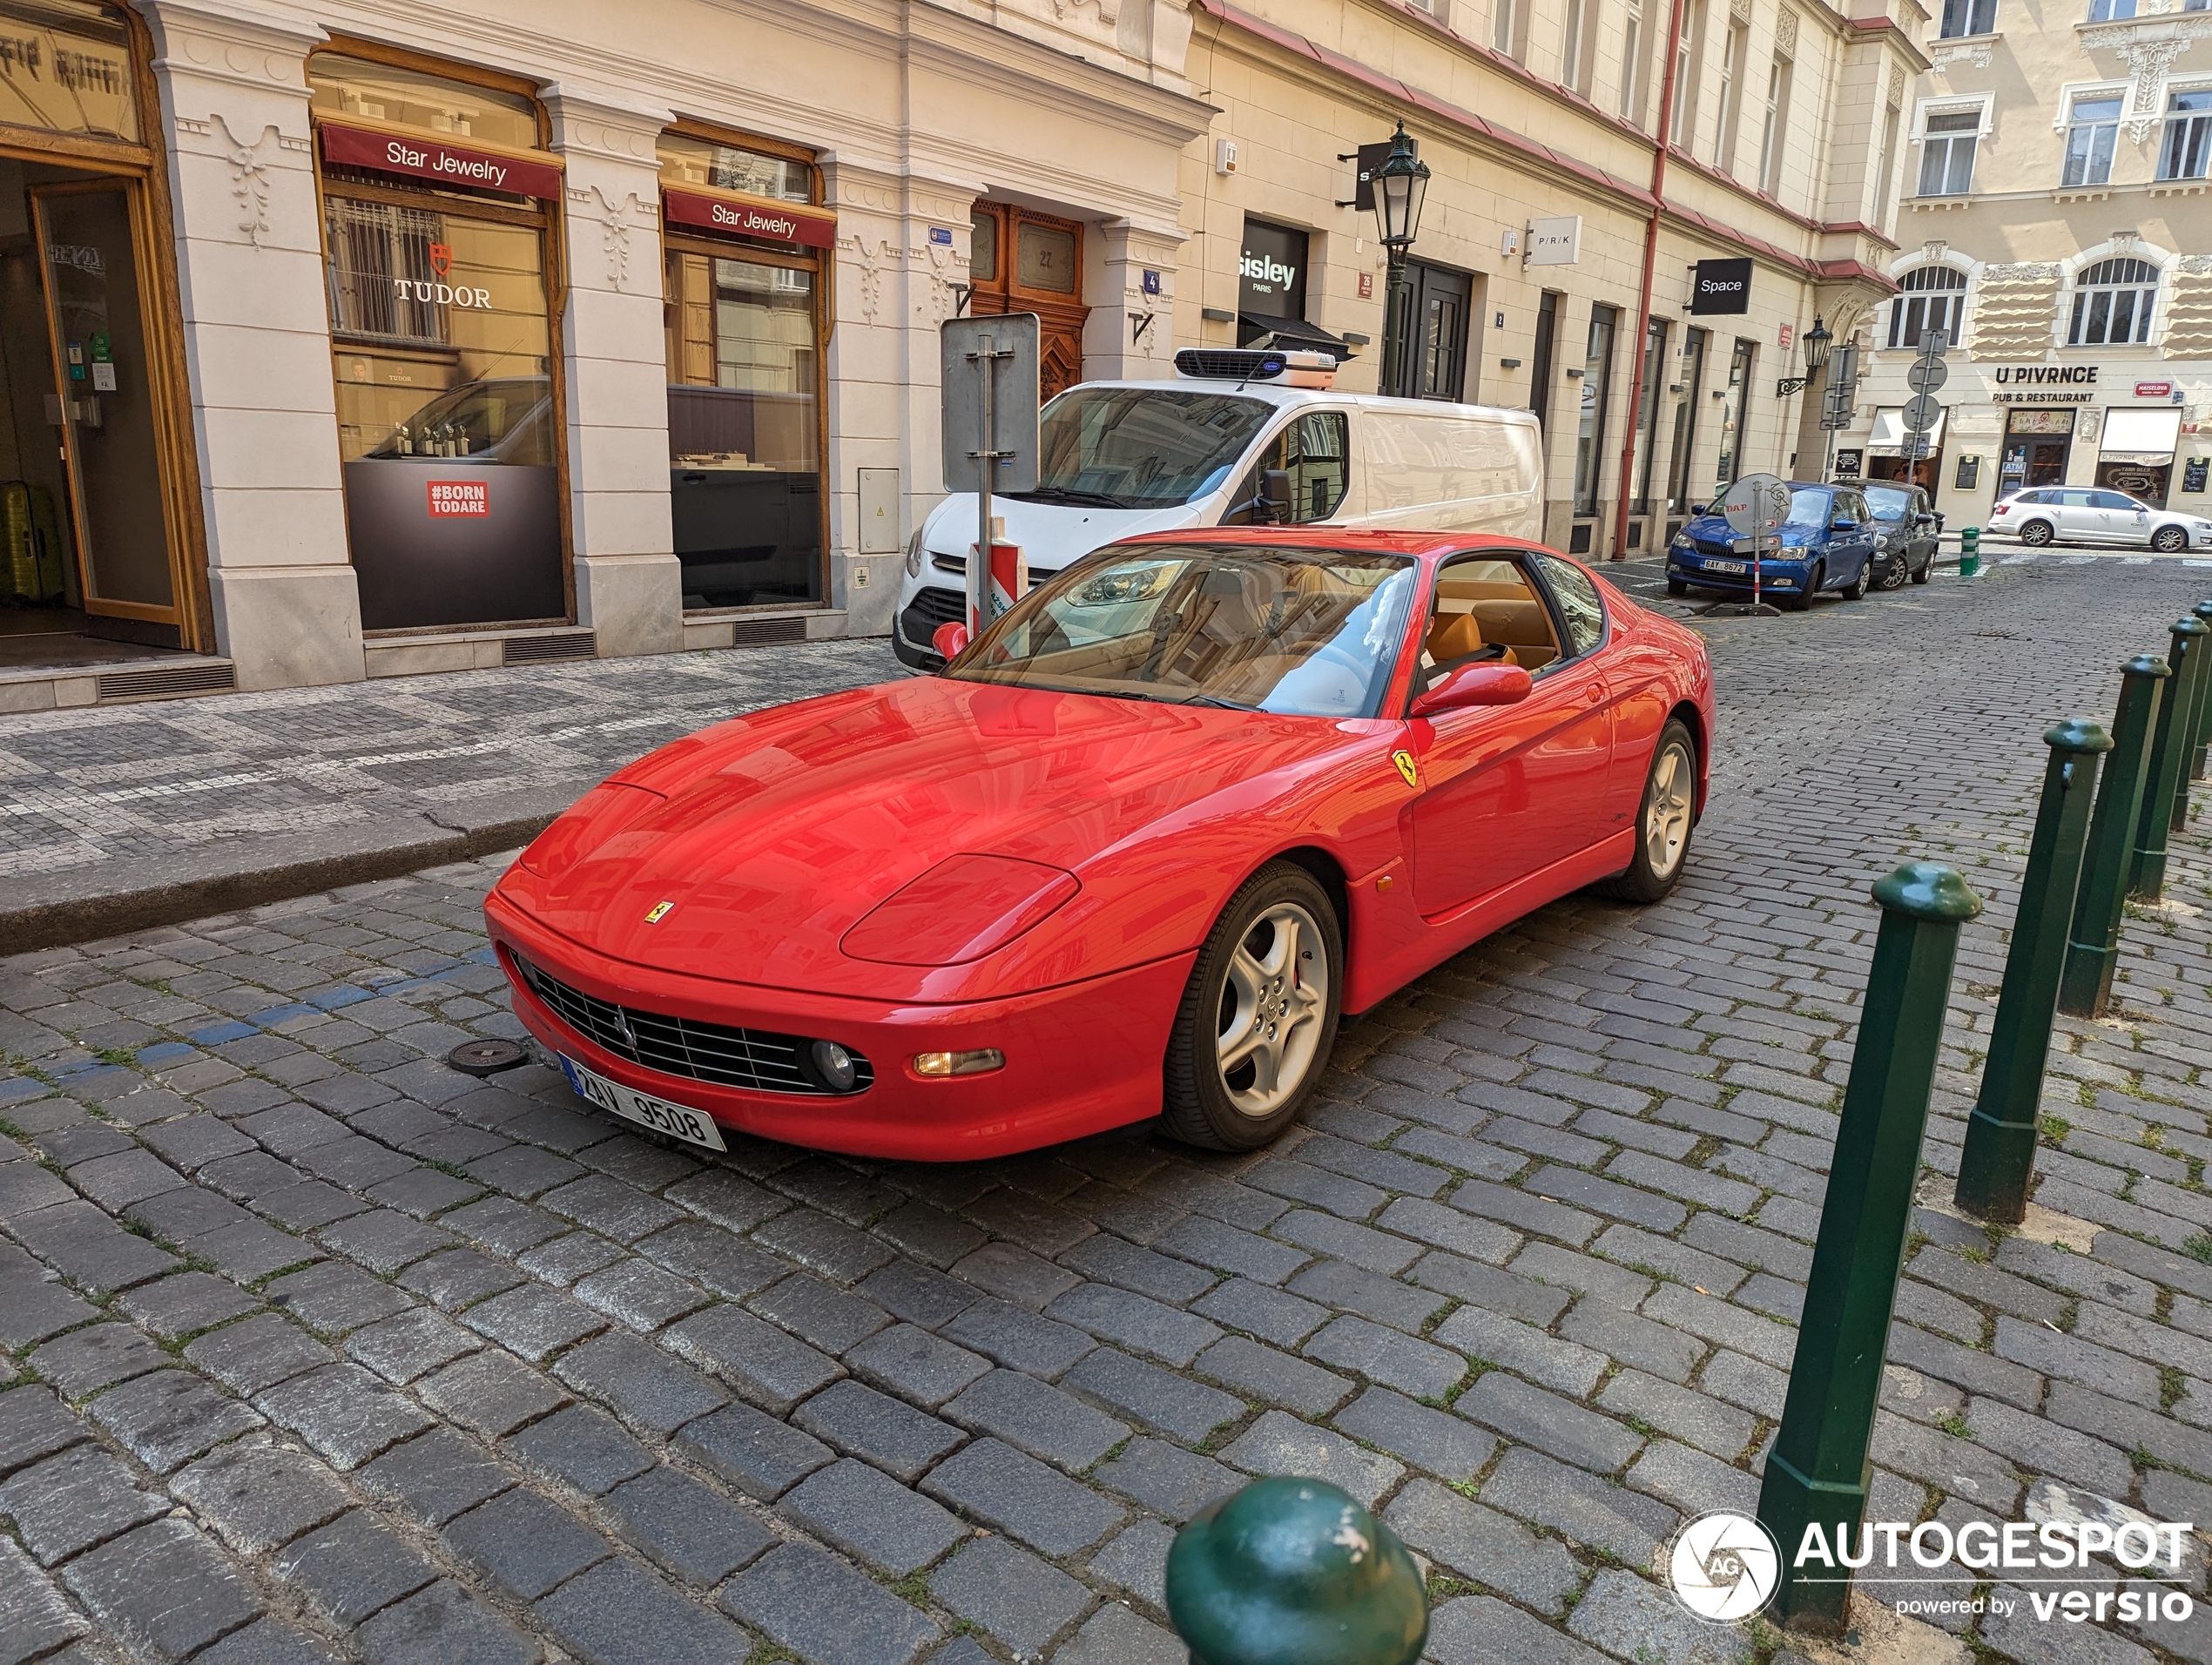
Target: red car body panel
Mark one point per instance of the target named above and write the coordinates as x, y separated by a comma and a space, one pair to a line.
775, 838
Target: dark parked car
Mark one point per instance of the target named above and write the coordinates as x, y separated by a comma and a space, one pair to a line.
1905, 525
1826, 543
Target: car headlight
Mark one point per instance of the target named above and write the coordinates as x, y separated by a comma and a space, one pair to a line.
964, 908
913, 555
1683, 540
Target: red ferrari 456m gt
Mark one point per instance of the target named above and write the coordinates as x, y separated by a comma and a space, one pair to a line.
1131, 854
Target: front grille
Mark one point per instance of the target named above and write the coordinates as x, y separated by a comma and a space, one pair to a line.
754, 1058
1715, 546
930, 608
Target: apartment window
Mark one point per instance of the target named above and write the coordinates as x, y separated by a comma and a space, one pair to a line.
2110, 11
1540, 379
2187, 147
1948, 153
1930, 297
2112, 304
1632, 56
1577, 40
1732, 52
2089, 139
1885, 164
1683, 116
1596, 389
1775, 127
1969, 18
1505, 26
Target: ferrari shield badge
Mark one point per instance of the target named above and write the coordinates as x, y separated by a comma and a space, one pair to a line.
660, 909
1405, 762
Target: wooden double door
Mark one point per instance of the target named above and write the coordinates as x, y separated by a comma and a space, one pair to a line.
1026, 261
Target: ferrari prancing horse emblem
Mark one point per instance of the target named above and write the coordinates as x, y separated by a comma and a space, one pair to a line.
1405, 762
659, 912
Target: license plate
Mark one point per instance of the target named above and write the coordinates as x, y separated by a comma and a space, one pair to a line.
693, 1127
1728, 566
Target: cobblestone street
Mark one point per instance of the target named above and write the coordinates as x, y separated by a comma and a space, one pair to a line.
312, 1348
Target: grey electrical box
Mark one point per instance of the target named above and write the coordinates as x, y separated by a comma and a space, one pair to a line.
879, 511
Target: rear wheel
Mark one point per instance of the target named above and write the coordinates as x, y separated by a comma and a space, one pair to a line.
1920, 573
1856, 588
1258, 1015
2169, 540
2036, 534
1664, 821
1801, 602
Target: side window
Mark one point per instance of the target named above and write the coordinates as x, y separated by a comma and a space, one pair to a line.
1315, 450
1578, 602
2115, 500
1485, 609
2070, 499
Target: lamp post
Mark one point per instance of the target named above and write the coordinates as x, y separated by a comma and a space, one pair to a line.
1400, 184
1817, 343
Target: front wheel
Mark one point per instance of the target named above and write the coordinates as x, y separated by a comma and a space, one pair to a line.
2169, 540
1894, 571
1258, 1016
1676, 587
1802, 602
2036, 534
1664, 821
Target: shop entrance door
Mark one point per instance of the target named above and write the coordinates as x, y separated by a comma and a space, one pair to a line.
2037, 446
1024, 261
1442, 302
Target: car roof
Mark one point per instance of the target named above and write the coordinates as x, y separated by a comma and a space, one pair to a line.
1275, 393
1421, 546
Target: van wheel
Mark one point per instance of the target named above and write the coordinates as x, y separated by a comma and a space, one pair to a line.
1258, 1016
1665, 819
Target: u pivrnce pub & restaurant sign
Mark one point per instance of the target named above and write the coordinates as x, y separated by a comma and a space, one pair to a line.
2045, 384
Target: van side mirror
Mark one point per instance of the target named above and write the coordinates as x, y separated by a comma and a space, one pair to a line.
1489, 683
1275, 494
950, 640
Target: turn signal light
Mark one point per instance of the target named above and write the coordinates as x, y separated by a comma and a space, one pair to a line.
981, 1061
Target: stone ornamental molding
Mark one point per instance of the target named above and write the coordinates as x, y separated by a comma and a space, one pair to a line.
616, 221
2023, 272
1980, 53
1896, 83
1785, 33
230, 40
2148, 48
1934, 249
2196, 265
249, 178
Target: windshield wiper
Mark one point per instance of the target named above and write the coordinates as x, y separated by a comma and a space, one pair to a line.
1218, 701
1068, 494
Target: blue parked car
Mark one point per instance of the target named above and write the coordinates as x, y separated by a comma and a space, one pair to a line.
1829, 542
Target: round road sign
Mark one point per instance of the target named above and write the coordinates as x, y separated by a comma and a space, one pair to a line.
1925, 375
1920, 413
1756, 504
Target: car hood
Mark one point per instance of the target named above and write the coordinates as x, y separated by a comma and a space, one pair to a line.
1050, 536
1715, 528
775, 834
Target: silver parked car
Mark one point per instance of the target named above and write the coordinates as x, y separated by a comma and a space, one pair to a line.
2095, 515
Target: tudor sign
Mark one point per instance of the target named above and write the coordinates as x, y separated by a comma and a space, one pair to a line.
781, 222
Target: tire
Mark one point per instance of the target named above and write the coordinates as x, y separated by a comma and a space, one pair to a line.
1921, 573
1244, 972
1856, 589
2169, 540
2037, 534
1676, 587
1895, 572
1802, 602
1665, 818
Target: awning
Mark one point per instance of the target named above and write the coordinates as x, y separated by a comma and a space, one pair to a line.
2143, 431
1889, 430
1295, 333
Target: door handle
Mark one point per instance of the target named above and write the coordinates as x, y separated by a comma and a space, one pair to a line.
1594, 692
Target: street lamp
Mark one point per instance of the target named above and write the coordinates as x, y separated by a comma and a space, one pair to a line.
1817, 343
1400, 184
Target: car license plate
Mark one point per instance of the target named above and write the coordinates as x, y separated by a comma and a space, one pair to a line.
1728, 566
693, 1127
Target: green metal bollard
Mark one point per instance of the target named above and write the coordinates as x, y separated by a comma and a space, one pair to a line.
2164, 774
1818, 1471
2201, 736
1969, 551
2000, 1134
1294, 1572
2093, 941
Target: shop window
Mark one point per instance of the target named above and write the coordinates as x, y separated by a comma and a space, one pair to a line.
65, 68
1597, 392
1948, 153
435, 199
2112, 304
1929, 297
2090, 135
1693, 388
1735, 414
1968, 17
1655, 372
2186, 150
744, 315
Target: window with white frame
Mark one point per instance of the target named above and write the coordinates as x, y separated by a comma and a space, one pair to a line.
1683, 118
2187, 149
1732, 51
1929, 297
1577, 37
1947, 151
2111, 12
1775, 125
1632, 58
1969, 18
1505, 26
2091, 130
1885, 164
2112, 304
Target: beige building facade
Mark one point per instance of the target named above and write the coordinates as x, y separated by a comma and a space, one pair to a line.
351, 338
2057, 224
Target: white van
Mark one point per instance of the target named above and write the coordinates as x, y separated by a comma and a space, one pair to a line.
1231, 441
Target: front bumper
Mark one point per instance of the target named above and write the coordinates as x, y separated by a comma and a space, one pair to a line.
1692, 568
1080, 1058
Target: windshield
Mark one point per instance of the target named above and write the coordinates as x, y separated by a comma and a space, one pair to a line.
1808, 507
1140, 447
1303, 632
1888, 502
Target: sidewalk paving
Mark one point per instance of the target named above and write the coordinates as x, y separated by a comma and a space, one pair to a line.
310, 1346
146, 814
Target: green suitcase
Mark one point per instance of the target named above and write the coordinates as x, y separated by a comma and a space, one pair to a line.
30, 545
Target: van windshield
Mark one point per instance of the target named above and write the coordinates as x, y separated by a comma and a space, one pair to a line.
1140, 447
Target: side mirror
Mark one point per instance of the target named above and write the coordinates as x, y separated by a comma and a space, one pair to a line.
1924, 519
1843, 524
949, 640
1489, 684
1275, 494
1697, 508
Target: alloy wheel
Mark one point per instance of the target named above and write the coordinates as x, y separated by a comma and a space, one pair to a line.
1667, 812
1273, 1003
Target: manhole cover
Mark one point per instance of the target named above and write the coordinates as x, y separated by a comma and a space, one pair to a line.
484, 1057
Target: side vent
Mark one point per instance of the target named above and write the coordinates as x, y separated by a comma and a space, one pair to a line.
155, 681
552, 646
766, 632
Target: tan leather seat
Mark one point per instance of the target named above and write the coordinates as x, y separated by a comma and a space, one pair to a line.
1454, 636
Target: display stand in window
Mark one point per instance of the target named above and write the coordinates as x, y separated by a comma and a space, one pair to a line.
436, 197
743, 307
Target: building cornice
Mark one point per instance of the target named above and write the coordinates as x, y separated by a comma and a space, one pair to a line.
1903, 43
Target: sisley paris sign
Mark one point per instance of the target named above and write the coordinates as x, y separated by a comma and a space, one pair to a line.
430, 159
741, 216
